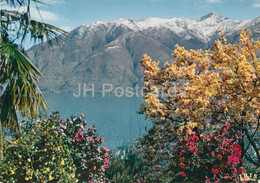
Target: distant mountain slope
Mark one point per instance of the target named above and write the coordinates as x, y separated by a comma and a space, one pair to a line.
110, 52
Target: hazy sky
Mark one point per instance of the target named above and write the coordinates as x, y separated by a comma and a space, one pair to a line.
69, 14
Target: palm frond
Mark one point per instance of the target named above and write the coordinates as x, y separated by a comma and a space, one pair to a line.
21, 92
37, 30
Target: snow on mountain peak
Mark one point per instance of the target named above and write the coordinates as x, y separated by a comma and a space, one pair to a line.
202, 28
213, 17
126, 22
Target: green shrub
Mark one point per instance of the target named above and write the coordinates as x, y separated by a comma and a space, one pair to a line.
55, 150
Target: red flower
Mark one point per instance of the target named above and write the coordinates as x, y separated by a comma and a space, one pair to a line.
215, 171
224, 132
228, 125
219, 156
212, 153
183, 174
182, 165
207, 181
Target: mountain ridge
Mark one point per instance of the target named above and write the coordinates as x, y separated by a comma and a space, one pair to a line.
109, 52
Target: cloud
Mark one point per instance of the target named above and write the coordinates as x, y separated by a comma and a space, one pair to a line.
41, 15
45, 15
66, 28
256, 5
214, 1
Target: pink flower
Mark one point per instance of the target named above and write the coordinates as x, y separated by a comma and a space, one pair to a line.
94, 126
106, 160
102, 139
227, 125
62, 121
82, 115
70, 122
106, 154
94, 168
98, 150
90, 138
207, 181
224, 132
212, 153
235, 159
106, 166
183, 174
102, 168
76, 135
81, 134
229, 159
105, 149
85, 161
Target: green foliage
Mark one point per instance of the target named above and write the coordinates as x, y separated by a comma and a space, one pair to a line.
90, 160
54, 150
19, 76
126, 166
204, 157
38, 154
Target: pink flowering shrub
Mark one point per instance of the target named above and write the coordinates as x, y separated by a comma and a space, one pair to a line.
90, 159
206, 158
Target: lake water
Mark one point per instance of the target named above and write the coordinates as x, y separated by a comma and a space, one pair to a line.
116, 118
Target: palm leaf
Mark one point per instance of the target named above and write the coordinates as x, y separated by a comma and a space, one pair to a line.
21, 92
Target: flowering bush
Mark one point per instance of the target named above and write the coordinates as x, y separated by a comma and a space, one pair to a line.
90, 160
55, 150
38, 154
206, 158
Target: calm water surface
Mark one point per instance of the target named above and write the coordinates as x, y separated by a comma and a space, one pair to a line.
116, 118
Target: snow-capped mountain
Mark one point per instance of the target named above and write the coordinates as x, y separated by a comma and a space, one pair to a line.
109, 52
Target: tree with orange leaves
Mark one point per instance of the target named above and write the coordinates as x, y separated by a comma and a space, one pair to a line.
207, 88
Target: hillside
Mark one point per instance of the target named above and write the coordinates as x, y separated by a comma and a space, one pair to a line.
110, 52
